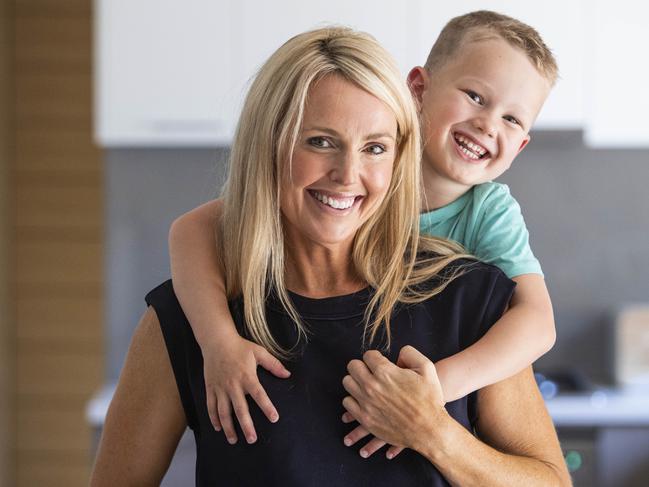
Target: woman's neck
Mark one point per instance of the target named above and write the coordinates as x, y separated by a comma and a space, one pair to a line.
317, 271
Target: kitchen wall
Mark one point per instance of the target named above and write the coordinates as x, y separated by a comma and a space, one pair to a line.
587, 210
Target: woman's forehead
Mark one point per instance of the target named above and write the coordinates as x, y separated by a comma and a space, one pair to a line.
338, 104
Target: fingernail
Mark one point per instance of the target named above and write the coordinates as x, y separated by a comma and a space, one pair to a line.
347, 441
251, 439
231, 440
364, 453
274, 417
389, 455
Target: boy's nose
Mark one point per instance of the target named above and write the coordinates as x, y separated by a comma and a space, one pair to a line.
345, 172
485, 125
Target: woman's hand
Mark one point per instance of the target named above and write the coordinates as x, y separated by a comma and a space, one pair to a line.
230, 370
399, 404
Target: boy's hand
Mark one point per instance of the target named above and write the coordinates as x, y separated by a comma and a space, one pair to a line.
230, 373
371, 446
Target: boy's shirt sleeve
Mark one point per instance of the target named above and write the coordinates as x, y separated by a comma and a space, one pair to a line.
501, 236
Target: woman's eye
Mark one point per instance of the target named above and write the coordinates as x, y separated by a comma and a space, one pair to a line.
319, 142
475, 97
511, 119
376, 149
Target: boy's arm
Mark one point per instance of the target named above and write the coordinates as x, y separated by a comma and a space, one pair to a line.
524, 333
230, 362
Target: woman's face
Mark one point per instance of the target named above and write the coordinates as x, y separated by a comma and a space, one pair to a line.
342, 164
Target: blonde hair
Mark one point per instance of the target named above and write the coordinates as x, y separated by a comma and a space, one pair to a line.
251, 237
484, 24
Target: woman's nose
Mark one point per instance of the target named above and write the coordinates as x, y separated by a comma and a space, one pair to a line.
345, 172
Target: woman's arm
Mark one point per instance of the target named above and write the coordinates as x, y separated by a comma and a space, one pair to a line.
145, 419
404, 406
517, 442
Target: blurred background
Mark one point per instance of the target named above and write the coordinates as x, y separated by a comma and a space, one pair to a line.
116, 117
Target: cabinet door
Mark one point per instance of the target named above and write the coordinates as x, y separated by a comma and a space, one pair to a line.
267, 25
561, 24
618, 74
164, 72
172, 72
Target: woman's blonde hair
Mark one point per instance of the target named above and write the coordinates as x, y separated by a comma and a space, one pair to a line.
251, 238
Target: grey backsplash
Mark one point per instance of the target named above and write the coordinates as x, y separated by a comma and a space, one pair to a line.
587, 211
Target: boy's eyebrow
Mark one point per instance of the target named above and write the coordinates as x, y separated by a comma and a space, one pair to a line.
330, 131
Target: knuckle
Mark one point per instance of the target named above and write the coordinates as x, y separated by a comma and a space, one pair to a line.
371, 390
257, 392
240, 410
382, 370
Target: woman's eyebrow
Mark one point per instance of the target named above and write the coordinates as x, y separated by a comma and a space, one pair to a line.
327, 130
380, 135
330, 131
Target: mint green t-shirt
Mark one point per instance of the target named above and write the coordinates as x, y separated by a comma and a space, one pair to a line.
488, 223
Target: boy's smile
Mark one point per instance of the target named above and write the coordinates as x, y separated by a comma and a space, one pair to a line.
476, 111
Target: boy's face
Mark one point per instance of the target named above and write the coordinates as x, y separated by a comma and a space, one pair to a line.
476, 112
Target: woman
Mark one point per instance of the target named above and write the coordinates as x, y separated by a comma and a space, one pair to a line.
320, 243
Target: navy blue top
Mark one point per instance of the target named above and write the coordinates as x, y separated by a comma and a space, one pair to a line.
305, 447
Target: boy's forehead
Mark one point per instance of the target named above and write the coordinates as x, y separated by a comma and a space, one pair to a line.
476, 53
499, 67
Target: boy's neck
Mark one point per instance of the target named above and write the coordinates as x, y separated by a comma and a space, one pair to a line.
439, 191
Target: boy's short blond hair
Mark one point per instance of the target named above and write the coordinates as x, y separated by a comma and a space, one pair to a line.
484, 24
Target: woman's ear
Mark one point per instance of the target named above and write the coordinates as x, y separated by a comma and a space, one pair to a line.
418, 80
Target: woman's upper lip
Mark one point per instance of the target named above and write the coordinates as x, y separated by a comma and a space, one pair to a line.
335, 194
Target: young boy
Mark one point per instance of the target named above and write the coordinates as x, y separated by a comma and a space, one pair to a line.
483, 85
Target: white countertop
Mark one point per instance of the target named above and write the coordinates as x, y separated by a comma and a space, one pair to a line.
605, 407
602, 408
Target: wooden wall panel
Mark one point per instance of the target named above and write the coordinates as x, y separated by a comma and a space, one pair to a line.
56, 216
7, 398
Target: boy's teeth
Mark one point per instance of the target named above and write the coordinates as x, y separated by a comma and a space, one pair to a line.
470, 148
338, 204
469, 153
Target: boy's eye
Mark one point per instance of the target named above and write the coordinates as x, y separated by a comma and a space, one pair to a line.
474, 97
319, 142
376, 149
511, 119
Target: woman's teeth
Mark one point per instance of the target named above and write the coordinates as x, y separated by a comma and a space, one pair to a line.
337, 203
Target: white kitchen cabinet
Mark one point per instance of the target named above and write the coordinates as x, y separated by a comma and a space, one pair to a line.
167, 72
174, 73
386, 20
617, 103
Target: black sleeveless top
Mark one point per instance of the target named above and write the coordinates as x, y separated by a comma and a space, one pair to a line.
305, 447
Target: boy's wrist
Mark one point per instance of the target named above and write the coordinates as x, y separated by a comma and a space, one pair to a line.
217, 335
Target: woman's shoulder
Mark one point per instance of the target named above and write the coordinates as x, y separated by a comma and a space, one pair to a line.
466, 278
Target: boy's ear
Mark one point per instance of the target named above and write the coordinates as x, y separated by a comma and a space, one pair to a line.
418, 80
525, 141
